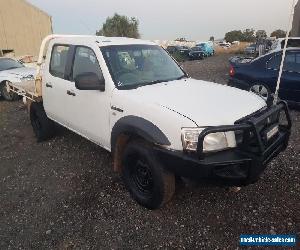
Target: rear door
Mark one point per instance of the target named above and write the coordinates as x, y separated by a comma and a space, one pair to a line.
290, 81
271, 76
291, 76
273, 66
55, 83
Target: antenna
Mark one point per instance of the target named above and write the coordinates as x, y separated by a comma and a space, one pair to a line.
284, 52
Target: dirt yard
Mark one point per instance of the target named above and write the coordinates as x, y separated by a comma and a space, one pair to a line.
63, 194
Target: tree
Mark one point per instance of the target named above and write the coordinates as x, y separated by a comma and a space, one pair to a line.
212, 38
261, 34
248, 35
120, 26
278, 33
234, 35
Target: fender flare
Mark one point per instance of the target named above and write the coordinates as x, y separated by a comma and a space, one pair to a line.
137, 126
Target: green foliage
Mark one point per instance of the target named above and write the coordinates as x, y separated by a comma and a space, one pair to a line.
261, 34
235, 35
247, 35
278, 33
120, 26
212, 38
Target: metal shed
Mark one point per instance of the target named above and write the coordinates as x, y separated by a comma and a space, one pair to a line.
22, 27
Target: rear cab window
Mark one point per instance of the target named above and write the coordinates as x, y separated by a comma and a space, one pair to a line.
58, 61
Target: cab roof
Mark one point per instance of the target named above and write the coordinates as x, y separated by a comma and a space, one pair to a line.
101, 40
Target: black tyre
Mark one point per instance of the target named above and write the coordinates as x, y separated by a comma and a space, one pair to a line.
144, 176
8, 96
42, 126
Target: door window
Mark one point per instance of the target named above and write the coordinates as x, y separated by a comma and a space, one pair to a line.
274, 62
292, 62
59, 60
85, 61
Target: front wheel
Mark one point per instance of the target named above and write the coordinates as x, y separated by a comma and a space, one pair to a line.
144, 176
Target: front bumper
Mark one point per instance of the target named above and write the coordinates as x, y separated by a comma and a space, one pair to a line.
240, 166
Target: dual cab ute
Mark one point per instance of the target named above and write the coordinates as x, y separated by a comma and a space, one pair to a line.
131, 98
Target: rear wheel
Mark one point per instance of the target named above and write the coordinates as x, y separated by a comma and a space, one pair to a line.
7, 95
144, 176
42, 126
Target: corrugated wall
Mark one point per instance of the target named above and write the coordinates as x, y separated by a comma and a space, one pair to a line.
296, 24
22, 27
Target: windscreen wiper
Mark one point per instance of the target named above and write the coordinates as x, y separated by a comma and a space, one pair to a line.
181, 77
148, 83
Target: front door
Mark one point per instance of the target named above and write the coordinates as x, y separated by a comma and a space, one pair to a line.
89, 109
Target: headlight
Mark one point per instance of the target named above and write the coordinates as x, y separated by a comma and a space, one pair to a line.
212, 142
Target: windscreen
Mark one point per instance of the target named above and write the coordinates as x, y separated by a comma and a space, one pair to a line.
132, 66
7, 64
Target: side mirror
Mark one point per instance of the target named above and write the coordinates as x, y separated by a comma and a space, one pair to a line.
89, 81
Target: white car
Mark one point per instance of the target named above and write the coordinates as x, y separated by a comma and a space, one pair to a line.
131, 98
278, 44
11, 71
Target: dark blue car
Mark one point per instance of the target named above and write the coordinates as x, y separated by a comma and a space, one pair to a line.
260, 75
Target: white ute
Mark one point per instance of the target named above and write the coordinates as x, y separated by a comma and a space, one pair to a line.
131, 98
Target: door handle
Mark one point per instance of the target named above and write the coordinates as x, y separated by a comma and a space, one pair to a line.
69, 92
49, 85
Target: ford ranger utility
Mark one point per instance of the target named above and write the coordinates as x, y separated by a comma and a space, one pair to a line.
131, 98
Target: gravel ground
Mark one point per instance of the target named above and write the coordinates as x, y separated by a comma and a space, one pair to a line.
63, 194
214, 69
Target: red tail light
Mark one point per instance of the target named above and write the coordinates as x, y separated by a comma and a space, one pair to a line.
231, 71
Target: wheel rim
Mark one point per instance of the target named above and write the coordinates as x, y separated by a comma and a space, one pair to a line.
260, 90
141, 176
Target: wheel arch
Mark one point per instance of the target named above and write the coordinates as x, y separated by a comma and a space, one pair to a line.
130, 127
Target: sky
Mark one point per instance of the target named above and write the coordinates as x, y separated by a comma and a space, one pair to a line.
169, 19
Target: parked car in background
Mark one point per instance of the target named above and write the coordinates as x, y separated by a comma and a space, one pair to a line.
178, 49
278, 44
12, 71
196, 53
250, 50
207, 48
260, 75
225, 45
237, 43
